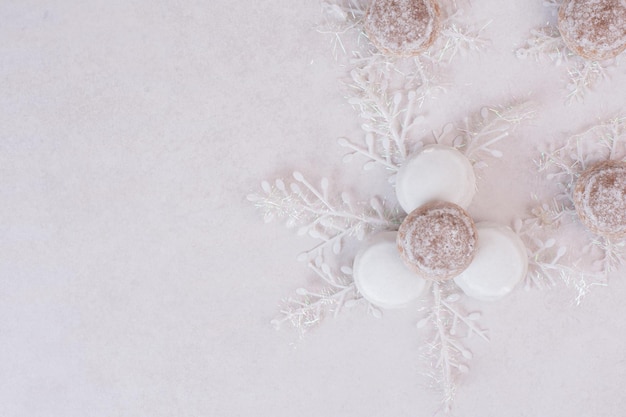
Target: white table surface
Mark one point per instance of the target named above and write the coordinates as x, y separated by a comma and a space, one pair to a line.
137, 280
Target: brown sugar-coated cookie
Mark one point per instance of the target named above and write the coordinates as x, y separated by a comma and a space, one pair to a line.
437, 240
594, 29
402, 27
600, 198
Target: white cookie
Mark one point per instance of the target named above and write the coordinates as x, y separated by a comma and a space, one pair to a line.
381, 276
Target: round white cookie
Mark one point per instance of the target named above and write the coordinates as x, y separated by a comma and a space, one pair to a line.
499, 264
381, 276
438, 172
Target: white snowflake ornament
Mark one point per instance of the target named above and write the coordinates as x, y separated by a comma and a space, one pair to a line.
377, 277
586, 36
388, 92
589, 169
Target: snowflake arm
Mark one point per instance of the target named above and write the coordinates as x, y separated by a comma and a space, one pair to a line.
388, 92
604, 141
545, 258
330, 220
457, 38
343, 23
583, 75
612, 255
490, 127
547, 42
307, 308
564, 164
445, 351
389, 113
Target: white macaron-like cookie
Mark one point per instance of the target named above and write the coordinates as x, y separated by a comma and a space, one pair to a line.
438, 172
381, 276
499, 264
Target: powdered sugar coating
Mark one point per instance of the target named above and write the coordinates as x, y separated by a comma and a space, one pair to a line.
594, 29
437, 240
600, 198
402, 27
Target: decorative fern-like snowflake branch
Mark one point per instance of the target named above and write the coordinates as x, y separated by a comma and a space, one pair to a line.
544, 268
388, 92
491, 125
457, 37
610, 254
550, 214
583, 75
343, 22
545, 258
330, 220
445, 352
563, 165
547, 43
476, 137
307, 308
610, 137
389, 113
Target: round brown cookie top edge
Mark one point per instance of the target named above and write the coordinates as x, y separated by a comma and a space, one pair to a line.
402, 28
437, 240
600, 198
594, 30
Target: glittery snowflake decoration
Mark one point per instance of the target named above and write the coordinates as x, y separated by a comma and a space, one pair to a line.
563, 165
336, 221
331, 219
389, 124
343, 22
547, 44
548, 263
388, 94
445, 327
392, 83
